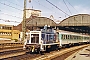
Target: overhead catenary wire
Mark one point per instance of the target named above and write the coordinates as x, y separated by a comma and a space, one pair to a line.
9, 21
10, 6
67, 7
5, 9
71, 5
45, 6
10, 15
13, 7
57, 7
41, 4
14, 3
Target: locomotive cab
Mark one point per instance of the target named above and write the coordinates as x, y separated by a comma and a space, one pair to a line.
43, 40
33, 45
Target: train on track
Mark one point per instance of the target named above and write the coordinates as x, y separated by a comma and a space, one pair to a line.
49, 39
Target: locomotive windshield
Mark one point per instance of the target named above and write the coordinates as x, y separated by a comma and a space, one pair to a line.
34, 38
48, 38
48, 35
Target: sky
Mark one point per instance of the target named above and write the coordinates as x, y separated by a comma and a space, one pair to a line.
12, 10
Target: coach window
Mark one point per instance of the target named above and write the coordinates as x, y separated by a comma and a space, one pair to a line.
70, 36
66, 36
77, 37
85, 38
63, 36
74, 37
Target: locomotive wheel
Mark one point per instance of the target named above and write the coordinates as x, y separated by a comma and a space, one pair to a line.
38, 51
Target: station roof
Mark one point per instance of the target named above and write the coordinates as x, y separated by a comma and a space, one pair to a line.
76, 20
40, 21
77, 23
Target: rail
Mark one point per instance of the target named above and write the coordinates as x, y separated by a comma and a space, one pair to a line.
55, 55
10, 49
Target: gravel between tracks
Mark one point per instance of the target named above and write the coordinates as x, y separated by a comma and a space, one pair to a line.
62, 54
54, 55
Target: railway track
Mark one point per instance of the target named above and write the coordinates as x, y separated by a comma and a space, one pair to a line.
53, 55
26, 56
11, 53
11, 49
62, 54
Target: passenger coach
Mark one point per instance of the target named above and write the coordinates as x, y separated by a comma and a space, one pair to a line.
48, 39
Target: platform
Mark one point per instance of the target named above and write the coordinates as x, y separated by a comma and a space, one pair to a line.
83, 54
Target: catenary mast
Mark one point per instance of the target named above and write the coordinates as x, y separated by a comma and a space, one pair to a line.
24, 21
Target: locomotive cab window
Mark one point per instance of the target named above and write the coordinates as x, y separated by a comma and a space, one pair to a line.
34, 38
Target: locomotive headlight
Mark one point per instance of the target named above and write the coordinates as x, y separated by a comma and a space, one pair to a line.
49, 46
33, 49
31, 35
41, 42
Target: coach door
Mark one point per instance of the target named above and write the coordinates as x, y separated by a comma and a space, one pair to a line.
57, 37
